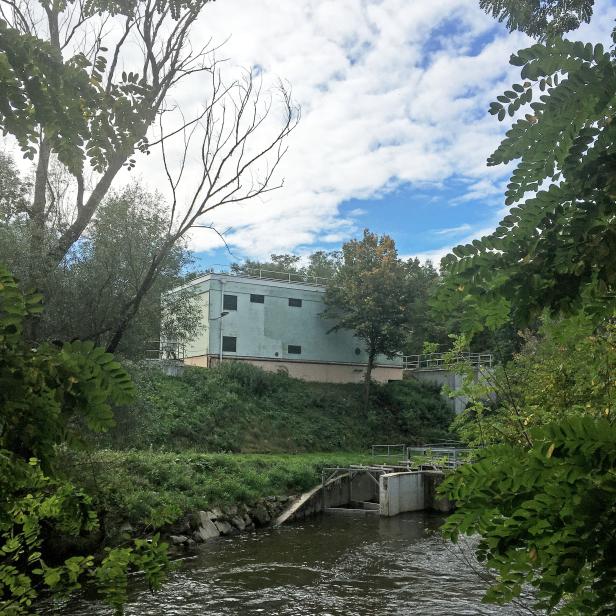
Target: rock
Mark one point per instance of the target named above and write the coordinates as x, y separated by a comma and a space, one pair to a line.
231, 510
208, 529
204, 517
178, 539
224, 528
197, 538
216, 513
238, 522
260, 514
247, 520
191, 543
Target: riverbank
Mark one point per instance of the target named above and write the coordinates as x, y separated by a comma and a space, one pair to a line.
149, 491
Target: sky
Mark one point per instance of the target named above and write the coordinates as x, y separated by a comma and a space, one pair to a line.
394, 131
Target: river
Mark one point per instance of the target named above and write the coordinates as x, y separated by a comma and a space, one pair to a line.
326, 566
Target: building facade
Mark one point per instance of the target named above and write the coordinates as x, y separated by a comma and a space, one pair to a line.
276, 325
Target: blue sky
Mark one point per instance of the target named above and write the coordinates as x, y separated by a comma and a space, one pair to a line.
394, 132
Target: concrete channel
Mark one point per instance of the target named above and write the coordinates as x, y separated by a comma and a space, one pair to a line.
374, 490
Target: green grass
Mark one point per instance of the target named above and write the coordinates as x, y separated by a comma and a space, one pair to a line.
235, 433
240, 408
158, 488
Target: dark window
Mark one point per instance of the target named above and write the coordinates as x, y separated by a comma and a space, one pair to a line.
257, 299
297, 303
357, 351
295, 349
229, 344
229, 302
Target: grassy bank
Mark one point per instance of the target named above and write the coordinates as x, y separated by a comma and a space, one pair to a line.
240, 408
157, 488
234, 434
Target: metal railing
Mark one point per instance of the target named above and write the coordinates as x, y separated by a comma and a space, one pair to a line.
441, 457
266, 274
385, 451
438, 361
165, 350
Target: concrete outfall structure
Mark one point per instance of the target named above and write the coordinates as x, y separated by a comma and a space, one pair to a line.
354, 493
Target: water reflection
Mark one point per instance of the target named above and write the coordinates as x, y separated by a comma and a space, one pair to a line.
326, 566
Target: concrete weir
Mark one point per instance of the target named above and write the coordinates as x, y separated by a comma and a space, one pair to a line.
358, 491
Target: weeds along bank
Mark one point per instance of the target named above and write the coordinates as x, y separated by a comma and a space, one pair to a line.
234, 435
240, 408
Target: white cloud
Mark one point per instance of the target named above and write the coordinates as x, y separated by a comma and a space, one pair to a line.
392, 92
465, 228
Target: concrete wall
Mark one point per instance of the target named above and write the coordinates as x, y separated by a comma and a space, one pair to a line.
265, 331
310, 371
338, 492
401, 492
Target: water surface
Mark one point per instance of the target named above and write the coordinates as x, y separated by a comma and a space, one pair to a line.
330, 565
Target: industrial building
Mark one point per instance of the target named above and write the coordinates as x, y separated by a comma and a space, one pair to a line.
276, 324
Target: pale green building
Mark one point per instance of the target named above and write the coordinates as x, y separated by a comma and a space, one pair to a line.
276, 324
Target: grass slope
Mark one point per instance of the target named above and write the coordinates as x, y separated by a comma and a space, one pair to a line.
240, 408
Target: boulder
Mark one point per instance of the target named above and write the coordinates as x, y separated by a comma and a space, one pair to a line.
238, 522
207, 530
261, 515
178, 539
216, 514
224, 528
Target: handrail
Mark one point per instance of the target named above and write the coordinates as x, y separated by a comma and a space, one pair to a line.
440, 361
166, 350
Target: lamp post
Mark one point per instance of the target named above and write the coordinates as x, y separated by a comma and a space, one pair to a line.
219, 318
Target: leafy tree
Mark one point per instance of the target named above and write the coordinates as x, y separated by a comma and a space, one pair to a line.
546, 518
543, 501
367, 297
321, 264
47, 395
87, 96
556, 248
540, 18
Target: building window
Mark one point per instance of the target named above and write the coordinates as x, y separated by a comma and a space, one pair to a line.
296, 303
257, 299
294, 349
357, 351
229, 344
229, 302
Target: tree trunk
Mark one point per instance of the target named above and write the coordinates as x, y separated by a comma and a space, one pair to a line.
368, 378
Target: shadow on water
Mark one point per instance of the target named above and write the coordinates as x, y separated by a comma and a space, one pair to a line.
351, 566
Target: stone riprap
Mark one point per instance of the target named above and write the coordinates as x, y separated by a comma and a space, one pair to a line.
203, 526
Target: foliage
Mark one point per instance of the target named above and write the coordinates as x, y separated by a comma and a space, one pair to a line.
321, 264
540, 18
46, 395
545, 518
366, 296
241, 408
564, 369
556, 248
154, 488
98, 284
104, 275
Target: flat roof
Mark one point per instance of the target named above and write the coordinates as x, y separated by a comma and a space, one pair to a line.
258, 280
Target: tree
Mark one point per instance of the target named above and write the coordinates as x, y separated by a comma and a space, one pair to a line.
321, 265
558, 247
543, 500
65, 99
540, 18
545, 518
105, 274
48, 395
368, 297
